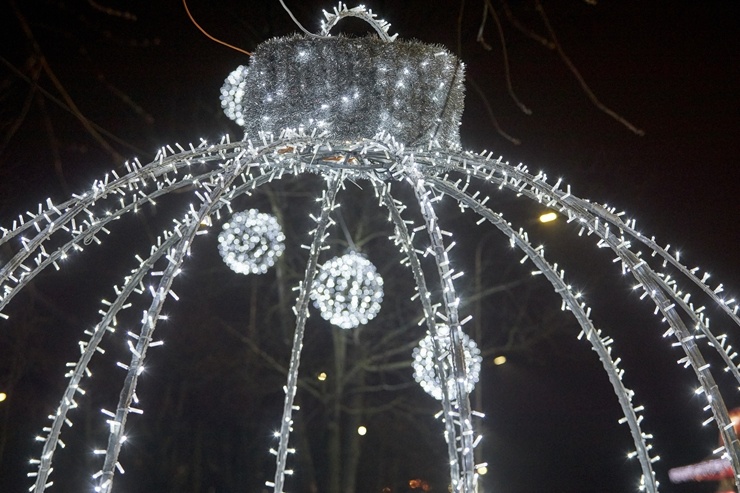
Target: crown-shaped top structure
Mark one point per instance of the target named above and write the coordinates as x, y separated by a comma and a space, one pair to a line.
352, 88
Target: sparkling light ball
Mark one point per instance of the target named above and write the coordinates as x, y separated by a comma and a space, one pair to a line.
425, 369
251, 242
348, 291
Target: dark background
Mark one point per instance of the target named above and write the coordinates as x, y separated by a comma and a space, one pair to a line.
670, 68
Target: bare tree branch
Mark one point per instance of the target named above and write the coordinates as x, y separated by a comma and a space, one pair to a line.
35, 74
491, 116
525, 30
65, 107
60, 87
580, 78
111, 11
507, 71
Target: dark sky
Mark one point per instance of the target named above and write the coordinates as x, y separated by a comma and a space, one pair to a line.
672, 68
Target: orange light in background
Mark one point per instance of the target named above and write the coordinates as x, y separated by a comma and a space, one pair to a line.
548, 217
419, 483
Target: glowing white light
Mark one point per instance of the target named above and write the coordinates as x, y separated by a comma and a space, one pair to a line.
3, 396
348, 291
425, 368
499, 360
362, 431
251, 242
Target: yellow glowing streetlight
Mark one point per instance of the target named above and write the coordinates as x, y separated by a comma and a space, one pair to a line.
548, 217
3, 396
362, 431
499, 360
321, 376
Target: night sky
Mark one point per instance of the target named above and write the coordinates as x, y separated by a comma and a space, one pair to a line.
671, 68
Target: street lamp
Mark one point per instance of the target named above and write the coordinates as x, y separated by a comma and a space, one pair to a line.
548, 217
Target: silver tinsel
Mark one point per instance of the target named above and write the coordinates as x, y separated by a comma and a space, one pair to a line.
425, 369
251, 242
348, 291
351, 87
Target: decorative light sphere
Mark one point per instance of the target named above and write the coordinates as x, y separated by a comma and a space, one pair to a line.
425, 369
251, 241
348, 291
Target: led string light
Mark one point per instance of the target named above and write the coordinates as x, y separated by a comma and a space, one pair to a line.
319, 235
341, 12
389, 146
81, 367
538, 195
595, 213
43, 238
451, 302
685, 339
175, 258
600, 343
63, 218
404, 240
656, 288
132, 283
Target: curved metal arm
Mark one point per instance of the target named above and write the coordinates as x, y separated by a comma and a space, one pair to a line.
403, 238
301, 311
599, 343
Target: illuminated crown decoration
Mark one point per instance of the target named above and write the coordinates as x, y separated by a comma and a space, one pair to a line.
392, 111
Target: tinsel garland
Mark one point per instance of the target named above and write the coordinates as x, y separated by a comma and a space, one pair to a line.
351, 87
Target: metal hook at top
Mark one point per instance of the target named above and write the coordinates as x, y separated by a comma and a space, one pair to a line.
341, 11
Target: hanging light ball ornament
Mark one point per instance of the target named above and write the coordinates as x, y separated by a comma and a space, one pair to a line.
425, 367
348, 291
251, 241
